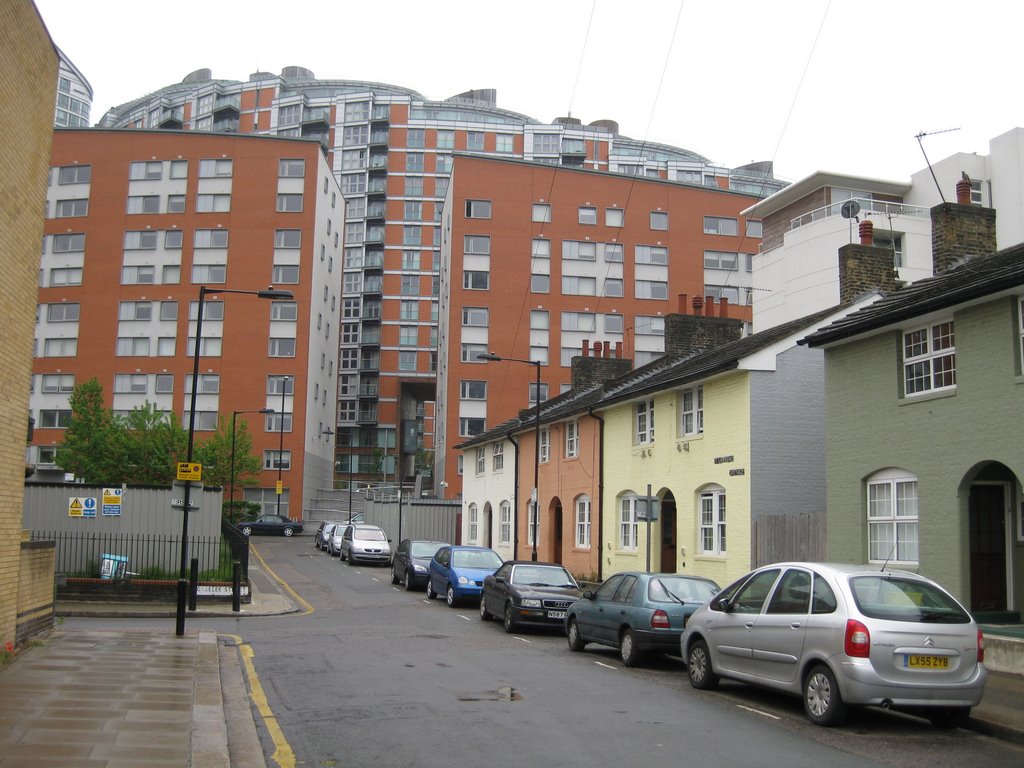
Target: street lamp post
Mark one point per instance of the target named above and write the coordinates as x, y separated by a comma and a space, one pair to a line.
535, 496
234, 414
280, 444
269, 293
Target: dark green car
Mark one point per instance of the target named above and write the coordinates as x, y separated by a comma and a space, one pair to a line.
637, 613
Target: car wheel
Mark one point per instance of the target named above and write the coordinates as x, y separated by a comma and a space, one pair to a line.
394, 576
950, 717
449, 596
431, 594
341, 555
316, 543
351, 558
698, 667
508, 622
407, 581
576, 643
823, 703
246, 529
287, 531
628, 651
485, 615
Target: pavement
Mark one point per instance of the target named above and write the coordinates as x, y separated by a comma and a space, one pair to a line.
141, 698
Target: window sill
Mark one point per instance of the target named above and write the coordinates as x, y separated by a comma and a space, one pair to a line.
927, 397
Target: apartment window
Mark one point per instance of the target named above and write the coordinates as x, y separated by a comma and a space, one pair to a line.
210, 346
469, 427
651, 289
175, 203
210, 238
579, 321
498, 456
539, 320
143, 275
712, 522
720, 225
274, 459
546, 143
144, 204
659, 220
220, 168
291, 168
578, 285
213, 203
150, 170
411, 260
135, 310
289, 203
627, 522
163, 383
541, 248
613, 252
587, 215
353, 184
446, 139
69, 208
212, 310
170, 274
357, 111
472, 390
647, 325
57, 383
476, 280
281, 347
133, 346
540, 283
410, 285
721, 260
408, 335
475, 316
415, 137
409, 310
728, 292
477, 244
583, 522
66, 312
140, 240
893, 518
531, 392
60, 347
69, 243
278, 385
929, 359
284, 274
443, 164
542, 212
643, 420
613, 286
504, 142
545, 445
470, 353
614, 217
66, 276
209, 273
407, 361
130, 383
414, 162
75, 174
475, 141
691, 410
179, 169
172, 239
412, 235
572, 439
651, 254
288, 238
414, 186
579, 250
54, 419
478, 209
287, 311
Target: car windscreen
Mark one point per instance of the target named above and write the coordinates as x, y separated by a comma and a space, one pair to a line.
669, 589
542, 576
424, 548
369, 534
475, 558
897, 598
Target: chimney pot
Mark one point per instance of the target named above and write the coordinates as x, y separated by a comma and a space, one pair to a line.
867, 233
698, 305
963, 192
682, 303
618, 349
597, 349
586, 347
723, 307
607, 349
709, 306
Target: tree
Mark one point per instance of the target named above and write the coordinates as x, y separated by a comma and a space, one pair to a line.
214, 454
152, 444
91, 447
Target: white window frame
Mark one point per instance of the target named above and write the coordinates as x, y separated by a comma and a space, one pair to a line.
583, 522
711, 517
572, 439
893, 515
691, 411
643, 422
481, 460
505, 526
498, 457
545, 445
929, 359
628, 527
473, 523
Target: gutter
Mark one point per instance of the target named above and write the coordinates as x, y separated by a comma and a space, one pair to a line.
600, 492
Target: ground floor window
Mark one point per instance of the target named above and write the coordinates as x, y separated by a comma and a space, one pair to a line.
892, 517
712, 521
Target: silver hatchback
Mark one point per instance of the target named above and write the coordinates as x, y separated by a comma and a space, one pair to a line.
841, 635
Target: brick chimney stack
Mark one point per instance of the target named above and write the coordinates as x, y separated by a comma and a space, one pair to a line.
687, 334
865, 267
961, 231
589, 370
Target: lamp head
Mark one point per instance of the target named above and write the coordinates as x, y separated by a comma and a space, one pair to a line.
489, 357
275, 293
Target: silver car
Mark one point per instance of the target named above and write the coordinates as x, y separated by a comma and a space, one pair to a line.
841, 635
368, 543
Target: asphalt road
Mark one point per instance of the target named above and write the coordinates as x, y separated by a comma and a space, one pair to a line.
375, 675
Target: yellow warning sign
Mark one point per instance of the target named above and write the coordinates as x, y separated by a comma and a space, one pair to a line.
280, 487
190, 471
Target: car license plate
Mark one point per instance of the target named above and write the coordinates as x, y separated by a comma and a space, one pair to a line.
926, 662
556, 614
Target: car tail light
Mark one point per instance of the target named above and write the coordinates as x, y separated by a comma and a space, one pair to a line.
659, 620
858, 639
981, 648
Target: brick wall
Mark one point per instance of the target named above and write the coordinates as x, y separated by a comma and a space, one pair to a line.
35, 589
865, 268
28, 82
960, 232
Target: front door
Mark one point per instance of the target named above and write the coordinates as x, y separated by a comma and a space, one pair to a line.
556, 517
987, 514
668, 534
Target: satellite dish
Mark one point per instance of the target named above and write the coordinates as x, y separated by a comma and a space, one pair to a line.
850, 209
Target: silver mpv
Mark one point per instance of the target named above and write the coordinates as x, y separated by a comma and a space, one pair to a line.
841, 635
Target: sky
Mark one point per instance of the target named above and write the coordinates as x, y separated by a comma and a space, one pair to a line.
809, 84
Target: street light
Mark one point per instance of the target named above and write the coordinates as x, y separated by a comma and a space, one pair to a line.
535, 496
280, 445
231, 498
269, 293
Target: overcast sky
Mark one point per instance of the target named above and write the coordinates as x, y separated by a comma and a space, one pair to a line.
810, 84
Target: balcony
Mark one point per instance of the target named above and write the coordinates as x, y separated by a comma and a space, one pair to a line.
370, 337
381, 113
379, 138
376, 210
370, 362
377, 186
371, 312
227, 106
228, 125
373, 284
573, 149
373, 261
378, 162
171, 118
374, 234
369, 389
367, 415
867, 206
320, 116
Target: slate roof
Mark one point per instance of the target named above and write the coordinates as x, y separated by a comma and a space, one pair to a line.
663, 373
974, 279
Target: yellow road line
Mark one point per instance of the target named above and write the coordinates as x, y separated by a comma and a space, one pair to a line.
283, 754
308, 609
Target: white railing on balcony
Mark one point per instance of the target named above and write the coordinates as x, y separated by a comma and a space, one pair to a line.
867, 206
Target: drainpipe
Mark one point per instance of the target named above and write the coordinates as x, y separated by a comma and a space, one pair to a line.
515, 500
600, 492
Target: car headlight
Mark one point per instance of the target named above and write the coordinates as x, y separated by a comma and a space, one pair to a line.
419, 568
530, 602
463, 580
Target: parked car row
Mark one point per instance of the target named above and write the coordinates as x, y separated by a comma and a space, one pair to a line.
837, 636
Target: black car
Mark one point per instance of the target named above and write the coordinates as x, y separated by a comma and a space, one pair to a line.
525, 592
410, 565
273, 524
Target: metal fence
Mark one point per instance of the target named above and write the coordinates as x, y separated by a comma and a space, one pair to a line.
93, 554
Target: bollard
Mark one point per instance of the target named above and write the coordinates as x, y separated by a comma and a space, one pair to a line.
193, 583
236, 586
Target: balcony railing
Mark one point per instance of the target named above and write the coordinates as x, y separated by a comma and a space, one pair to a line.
867, 205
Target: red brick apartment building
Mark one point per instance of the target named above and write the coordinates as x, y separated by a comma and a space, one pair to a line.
542, 263
136, 221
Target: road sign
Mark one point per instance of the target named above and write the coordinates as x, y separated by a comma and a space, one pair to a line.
112, 501
280, 487
178, 495
188, 470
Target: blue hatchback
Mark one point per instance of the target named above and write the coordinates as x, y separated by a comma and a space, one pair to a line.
458, 572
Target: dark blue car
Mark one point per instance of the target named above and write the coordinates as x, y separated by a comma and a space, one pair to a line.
458, 572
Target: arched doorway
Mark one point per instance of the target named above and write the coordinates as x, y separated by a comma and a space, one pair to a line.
555, 516
488, 523
669, 541
987, 507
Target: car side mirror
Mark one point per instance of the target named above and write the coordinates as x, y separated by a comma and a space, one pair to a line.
499, 579
722, 604
588, 595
